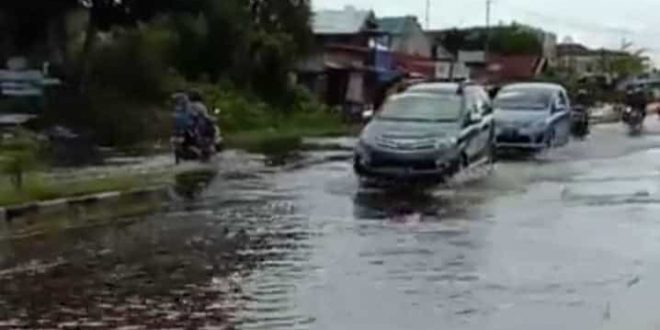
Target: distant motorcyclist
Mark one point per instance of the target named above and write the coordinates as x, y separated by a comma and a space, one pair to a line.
637, 100
204, 123
184, 121
583, 98
580, 114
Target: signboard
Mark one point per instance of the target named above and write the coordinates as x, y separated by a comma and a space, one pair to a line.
443, 70
461, 71
451, 70
476, 57
24, 82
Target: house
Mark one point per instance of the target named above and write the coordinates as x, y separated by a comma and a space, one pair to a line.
582, 61
344, 68
349, 26
405, 36
503, 69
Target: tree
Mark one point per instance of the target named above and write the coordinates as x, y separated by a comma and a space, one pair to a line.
253, 43
106, 14
515, 40
25, 23
626, 66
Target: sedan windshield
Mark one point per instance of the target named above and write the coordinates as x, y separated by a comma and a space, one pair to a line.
421, 107
523, 99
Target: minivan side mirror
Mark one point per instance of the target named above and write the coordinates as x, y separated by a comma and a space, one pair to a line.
558, 108
474, 117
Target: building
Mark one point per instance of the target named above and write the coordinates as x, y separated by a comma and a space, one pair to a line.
582, 61
343, 69
503, 69
349, 26
359, 58
405, 35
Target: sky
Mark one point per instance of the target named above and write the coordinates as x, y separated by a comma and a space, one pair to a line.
595, 23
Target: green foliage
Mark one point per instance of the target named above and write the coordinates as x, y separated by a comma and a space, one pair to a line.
18, 155
116, 85
627, 66
134, 63
252, 43
39, 189
513, 39
254, 125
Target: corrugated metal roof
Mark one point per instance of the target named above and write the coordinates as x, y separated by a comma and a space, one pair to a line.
346, 21
394, 25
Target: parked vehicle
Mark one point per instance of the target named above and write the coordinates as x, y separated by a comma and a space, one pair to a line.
532, 117
580, 121
419, 134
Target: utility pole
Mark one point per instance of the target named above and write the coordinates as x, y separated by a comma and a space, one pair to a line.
489, 3
428, 14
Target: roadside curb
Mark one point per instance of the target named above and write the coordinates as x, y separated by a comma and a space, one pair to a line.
9, 213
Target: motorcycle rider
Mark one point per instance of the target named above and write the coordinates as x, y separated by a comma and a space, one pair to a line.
583, 98
184, 122
637, 100
580, 114
204, 124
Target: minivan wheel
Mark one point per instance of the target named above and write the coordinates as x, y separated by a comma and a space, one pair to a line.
549, 139
460, 165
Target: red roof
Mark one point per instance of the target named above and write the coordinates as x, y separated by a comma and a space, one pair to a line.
415, 65
503, 68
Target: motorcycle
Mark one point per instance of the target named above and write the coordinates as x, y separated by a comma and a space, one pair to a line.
580, 122
186, 147
634, 120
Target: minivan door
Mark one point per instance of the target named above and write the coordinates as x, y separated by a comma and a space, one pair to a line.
561, 119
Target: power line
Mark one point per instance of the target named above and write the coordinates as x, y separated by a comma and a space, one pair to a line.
489, 3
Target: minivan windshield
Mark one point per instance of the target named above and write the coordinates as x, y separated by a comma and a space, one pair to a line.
422, 107
523, 99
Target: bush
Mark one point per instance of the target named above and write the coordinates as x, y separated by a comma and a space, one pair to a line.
134, 63
18, 155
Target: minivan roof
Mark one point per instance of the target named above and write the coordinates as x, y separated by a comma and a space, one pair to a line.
441, 87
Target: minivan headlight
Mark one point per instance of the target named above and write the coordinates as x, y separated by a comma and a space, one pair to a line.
445, 143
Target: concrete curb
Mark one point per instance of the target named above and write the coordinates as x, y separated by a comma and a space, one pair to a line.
9, 213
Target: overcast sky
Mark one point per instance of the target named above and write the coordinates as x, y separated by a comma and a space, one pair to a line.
596, 23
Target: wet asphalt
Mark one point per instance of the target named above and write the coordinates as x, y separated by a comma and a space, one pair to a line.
568, 239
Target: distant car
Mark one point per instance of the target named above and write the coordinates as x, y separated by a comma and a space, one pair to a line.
420, 134
532, 116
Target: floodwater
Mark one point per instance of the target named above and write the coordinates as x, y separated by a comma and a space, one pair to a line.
569, 239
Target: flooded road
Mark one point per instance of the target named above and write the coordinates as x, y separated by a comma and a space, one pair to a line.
570, 239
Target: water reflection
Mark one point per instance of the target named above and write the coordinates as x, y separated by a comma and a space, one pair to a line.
403, 204
191, 185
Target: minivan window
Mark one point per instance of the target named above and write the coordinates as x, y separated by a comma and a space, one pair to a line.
414, 107
523, 100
